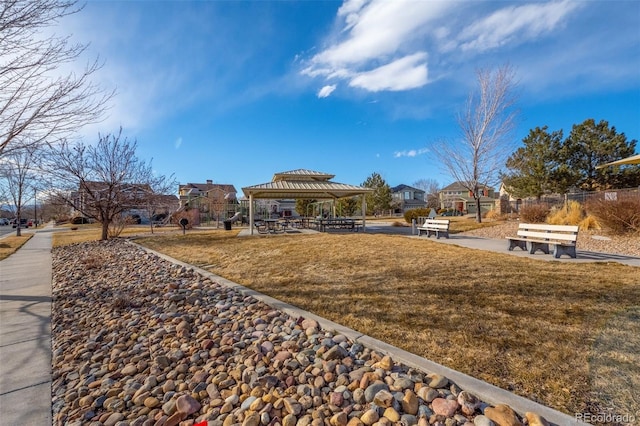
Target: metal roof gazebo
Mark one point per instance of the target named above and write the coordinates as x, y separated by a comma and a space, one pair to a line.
303, 184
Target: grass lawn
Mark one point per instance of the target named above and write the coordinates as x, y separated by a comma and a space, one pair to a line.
565, 335
92, 232
9, 244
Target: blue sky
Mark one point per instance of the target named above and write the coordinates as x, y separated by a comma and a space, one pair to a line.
235, 91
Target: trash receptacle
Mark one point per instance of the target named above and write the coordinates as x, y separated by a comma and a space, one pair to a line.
227, 225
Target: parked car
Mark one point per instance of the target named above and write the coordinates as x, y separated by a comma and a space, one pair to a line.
23, 223
4, 221
79, 220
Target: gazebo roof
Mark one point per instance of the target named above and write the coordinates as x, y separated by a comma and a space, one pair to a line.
304, 184
634, 159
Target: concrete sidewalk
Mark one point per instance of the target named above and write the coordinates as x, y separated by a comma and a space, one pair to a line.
25, 333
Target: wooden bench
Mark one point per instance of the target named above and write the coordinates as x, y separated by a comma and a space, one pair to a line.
435, 227
540, 236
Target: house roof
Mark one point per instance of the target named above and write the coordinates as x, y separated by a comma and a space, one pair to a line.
458, 186
302, 175
205, 187
304, 184
402, 187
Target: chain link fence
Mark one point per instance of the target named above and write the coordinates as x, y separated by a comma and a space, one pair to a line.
514, 206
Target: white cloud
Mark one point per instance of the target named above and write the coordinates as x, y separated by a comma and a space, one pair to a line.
326, 91
381, 29
514, 25
178, 143
410, 153
374, 50
350, 9
382, 45
403, 74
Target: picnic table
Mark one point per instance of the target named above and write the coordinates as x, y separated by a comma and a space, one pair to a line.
338, 223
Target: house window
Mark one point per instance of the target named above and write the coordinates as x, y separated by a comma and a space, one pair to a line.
407, 195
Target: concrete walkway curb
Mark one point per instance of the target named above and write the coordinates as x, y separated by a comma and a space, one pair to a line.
25, 334
485, 391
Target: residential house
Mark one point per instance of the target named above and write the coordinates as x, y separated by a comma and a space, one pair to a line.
190, 192
457, 197
136, 200
405, 198
211, 200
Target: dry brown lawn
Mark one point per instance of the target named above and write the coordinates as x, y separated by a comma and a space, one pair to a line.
92, 232
9, 244
565, 335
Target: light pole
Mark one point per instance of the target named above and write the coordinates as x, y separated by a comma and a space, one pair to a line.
35, 208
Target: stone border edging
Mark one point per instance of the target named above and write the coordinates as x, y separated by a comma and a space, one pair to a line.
485, 391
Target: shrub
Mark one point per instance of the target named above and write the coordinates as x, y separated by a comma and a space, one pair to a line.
494, 215
570, 214
117, 225
536, 213
620, 216
409, 215
589, 222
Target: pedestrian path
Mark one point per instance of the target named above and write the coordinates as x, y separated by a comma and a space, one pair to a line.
25, 333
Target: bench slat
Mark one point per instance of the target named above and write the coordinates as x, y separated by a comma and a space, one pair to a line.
545, 227
439, 221
434, 226
548, 235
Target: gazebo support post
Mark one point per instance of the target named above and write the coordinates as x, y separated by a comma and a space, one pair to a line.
251, 214
364, 212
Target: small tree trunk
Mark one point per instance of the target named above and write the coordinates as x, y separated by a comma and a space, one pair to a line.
478, 211
105, 230
18, 223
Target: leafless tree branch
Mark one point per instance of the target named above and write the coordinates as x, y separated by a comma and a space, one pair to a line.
17, 176
486, 124
37, 103
106, 180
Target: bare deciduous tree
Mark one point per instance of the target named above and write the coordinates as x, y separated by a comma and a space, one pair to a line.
18, 177
486, 123
431, 188
38, 103
105, 181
